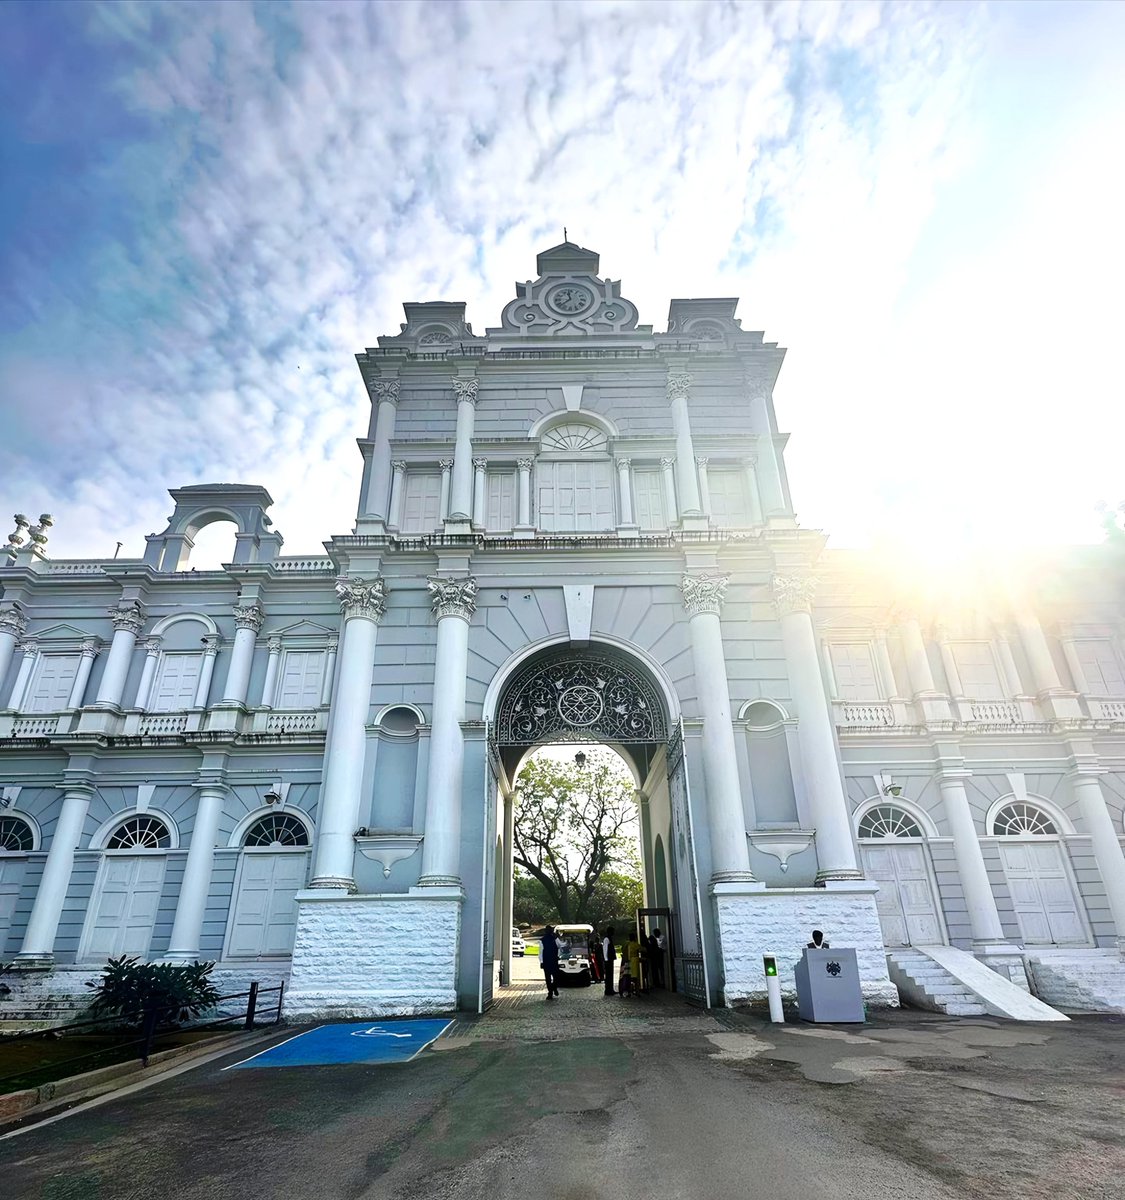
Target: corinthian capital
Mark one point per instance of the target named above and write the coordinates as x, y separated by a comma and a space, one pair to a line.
466, 389
384, 389
793, 593
453, 597
362, 598
704, 593
679, 387
130, 617
13, 621
249, 616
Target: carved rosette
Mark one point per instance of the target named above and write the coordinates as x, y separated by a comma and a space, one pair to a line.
793, 593
384, 389
466, 389
130, 617
679, 387
362, 598
13, 622
704, 593
249, 616
453, 597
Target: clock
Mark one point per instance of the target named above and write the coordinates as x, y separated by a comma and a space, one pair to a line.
571, 298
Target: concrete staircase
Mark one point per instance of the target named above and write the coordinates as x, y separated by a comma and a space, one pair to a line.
926, 984
1079, 980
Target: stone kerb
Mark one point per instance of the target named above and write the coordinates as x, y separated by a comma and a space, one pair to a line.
374, 955
780, 921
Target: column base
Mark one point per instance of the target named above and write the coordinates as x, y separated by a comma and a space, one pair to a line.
32, 962
1006, 960
742, 877
839, 873
439, 881
181, 958
339, 883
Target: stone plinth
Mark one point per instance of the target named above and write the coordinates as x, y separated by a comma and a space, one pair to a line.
374, 955
779, 921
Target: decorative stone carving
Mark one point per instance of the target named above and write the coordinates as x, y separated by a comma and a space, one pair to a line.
39, 532
384, 389
29, 648
362, 598
273, 644
480, 464
793, 593
152, 645
701, 461
130, 617
16, 538
333, 644
623, 464
578, 696
453, 597
667, 463
679, 387
211, 643
13, 621
446, 464
249, 616
89, 647
466, 389
525, 464
398, 464
750, 460
704, 593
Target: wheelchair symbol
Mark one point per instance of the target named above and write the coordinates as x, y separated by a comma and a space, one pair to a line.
377, 1031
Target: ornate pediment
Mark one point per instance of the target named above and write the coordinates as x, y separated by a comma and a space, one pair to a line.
568, 298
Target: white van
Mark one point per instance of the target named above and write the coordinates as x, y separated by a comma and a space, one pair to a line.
574, 955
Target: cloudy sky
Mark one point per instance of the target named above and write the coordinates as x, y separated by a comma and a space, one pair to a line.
205, 210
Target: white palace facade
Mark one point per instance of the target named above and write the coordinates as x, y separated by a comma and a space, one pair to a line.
569, 528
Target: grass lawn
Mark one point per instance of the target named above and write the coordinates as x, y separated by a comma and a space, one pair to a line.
31, 1062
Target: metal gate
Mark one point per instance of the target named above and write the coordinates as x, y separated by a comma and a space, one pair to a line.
690, 951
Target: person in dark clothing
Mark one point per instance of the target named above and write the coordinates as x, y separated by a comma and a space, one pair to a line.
549, 960
818, 942
609, 957
594, 956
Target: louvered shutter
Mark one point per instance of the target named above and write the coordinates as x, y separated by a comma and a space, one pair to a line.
728, 496
53, 682
855, 672
302, 674
421, 511
648, 499
176, 683
500, 506
1102, 667
977, 668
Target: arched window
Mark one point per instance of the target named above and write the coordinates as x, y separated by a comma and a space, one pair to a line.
573, 479
574, 436
277, 830
140, 833
888, 821
16, 836
1020, 820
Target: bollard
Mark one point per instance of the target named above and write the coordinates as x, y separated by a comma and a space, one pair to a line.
773, 989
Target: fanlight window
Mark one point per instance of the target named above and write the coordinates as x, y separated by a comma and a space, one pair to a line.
278, 829
574, 435
886, 821
1018, 820
15, 836
140, 833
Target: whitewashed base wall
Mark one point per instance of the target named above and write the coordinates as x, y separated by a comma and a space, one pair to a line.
374, 955
779, 921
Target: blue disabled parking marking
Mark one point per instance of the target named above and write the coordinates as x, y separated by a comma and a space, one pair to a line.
362, 1042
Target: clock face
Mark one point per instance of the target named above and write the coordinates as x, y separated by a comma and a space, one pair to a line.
571, 299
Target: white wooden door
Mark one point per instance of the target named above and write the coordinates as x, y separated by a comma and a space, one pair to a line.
1042, 895
264, 914
123, 911
11, 876
907, 911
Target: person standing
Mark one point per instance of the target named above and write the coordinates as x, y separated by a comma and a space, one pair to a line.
609, 957
549, 960
658, 943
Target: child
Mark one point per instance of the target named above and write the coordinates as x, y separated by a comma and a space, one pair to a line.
625, 980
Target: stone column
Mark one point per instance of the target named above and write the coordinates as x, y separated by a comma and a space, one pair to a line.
128, 620
269, 686
453, 602
678, 387
835, 850
753, 494
363, 604
1012, 683
211, 644
148, 673
504, 933
948, 662
13, 625
730, 854
399, 468
701, 462
885, 671
1074, 665
1043, 671
446, 465
917, 660
29, 652
769, 465
248, 620
624, 491
984, 919
667, 466
829, 672
88, 653
385, 393
524, 468
187, 927
1107, 848
329, 671
43, 924
461, 505
480, 517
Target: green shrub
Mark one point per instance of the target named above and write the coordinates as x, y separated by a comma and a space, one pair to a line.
166, 993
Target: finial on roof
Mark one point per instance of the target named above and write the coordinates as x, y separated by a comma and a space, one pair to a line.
565, 238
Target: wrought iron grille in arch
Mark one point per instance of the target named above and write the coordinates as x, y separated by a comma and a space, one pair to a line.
584, 694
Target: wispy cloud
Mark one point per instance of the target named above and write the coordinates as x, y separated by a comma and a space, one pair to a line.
222, 203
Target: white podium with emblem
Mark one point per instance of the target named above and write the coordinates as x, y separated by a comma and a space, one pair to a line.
828, 986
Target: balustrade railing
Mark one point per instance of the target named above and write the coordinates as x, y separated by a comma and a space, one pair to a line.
35, 726
155, 724
994, 712
868, 714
